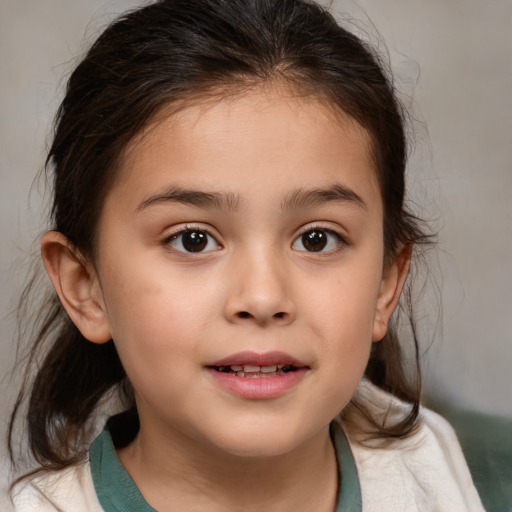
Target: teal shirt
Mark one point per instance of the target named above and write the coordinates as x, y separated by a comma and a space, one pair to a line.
117, 492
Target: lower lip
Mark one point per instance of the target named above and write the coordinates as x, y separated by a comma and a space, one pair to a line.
258, 388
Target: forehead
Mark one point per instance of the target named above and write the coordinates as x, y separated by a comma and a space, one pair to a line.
264, 139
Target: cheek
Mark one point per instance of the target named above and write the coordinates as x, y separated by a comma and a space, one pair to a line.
149, 314
145, 291
344, 304
341, 314
159, 315
345, 323
154, 339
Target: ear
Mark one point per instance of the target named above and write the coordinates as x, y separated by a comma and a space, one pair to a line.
393, 280
77, 286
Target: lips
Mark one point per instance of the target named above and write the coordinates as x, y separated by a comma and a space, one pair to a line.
261, 360
252, 364
258, 376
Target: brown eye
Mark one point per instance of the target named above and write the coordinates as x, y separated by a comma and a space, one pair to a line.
318, 240
314, 241
193, 240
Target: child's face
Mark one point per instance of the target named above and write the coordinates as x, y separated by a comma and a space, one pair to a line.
246, 229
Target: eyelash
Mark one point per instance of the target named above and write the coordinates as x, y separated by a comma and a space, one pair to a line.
206, 238
178, 235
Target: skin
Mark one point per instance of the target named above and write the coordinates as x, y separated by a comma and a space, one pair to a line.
255, 287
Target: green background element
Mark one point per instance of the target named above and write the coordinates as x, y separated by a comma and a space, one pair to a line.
487, 445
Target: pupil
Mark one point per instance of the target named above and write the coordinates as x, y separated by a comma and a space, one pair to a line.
314, 241
194, 241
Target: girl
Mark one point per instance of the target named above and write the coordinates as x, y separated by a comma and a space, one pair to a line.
229, 243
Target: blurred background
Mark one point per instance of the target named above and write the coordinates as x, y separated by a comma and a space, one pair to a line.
453, 67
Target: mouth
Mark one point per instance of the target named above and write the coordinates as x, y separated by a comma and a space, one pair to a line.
251, 371
254, 365
256, 376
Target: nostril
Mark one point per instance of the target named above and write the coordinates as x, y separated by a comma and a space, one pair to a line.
281, 315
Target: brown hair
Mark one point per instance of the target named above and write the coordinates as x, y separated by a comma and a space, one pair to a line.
153, 57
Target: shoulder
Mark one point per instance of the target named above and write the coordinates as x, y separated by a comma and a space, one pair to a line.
69, 489
424, 472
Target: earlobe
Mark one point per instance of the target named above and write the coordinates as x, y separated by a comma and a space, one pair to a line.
392, 284
77, 286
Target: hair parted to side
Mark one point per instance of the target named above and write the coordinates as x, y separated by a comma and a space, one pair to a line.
165, 54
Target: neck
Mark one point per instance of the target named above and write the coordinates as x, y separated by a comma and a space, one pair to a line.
186, 475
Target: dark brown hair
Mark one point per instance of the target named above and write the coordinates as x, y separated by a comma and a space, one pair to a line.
173, 51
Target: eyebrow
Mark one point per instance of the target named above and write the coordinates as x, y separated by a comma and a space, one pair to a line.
304, 198
297, 199
225, 201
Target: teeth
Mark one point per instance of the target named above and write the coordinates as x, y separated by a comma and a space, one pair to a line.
250, 368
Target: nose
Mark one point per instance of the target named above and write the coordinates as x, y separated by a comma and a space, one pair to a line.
260, 291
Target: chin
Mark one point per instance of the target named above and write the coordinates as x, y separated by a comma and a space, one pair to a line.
260, 440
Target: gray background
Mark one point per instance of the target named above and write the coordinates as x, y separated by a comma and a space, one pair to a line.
452, 62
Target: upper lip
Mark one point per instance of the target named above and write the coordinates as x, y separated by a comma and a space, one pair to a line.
255, 359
